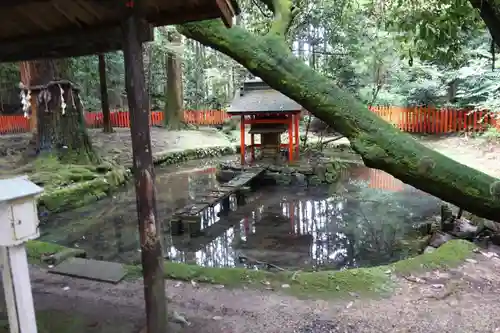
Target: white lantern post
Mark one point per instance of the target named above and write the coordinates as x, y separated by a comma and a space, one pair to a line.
18, 224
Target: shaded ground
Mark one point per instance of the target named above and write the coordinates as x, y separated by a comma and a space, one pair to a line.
460, 300
118, 145
476, 153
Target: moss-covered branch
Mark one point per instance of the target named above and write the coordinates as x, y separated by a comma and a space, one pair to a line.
379, 143
282, 17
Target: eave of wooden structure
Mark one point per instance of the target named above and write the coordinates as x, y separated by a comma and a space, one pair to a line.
32, 29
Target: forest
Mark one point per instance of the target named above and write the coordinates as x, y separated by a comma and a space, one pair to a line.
361, 46
334, 58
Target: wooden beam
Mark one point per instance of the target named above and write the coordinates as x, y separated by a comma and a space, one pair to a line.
150, 227
70, 44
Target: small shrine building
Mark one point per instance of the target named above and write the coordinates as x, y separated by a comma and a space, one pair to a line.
269, 114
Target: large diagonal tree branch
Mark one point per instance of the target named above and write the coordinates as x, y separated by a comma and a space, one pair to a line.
379, 143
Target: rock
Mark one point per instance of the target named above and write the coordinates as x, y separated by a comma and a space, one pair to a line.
305, 170
330, 177
224, 176
57, 258
491, 225
284, 179
446, 218
299, 179
320, 171
313, 180
439, 238
429, 249
463, 228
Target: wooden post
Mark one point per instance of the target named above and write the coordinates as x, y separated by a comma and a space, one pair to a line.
296, 132
290, 138
150, 228
106, 114
242, 139
17, 289
252, 143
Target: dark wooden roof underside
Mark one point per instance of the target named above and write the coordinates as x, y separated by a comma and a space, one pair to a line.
31, 29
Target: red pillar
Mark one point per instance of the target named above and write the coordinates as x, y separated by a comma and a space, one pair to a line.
252, 143
242, 139
290, 138
296, 132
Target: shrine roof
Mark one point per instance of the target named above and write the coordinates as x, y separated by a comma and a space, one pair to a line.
31, 29
257, 97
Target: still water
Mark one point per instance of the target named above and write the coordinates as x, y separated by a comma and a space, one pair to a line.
357, 222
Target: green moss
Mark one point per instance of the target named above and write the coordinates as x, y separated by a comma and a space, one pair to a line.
372, 281
35, 249
448, 255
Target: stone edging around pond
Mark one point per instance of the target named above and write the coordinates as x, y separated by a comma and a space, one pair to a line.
83, 193
322, 171
371, 281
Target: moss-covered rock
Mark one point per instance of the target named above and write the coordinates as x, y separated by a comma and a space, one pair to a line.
175, 157
68, 186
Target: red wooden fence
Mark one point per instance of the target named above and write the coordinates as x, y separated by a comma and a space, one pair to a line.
19, 124
120, 118
439, 121
415, 120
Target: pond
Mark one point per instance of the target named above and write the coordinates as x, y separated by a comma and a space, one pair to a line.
360, 221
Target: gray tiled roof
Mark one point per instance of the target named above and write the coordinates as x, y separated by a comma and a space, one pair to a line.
17, 187
255, 97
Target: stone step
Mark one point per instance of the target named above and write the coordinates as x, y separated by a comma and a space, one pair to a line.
103, 271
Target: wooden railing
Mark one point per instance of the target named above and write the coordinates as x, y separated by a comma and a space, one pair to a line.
20, 124
415, 120
121, 119
437, 121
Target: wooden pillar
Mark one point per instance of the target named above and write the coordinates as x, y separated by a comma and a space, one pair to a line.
252, 143
106, 114
150, 227
242, 139
296, 117
290, 138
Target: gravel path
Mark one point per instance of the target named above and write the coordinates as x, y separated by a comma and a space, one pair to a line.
460, 300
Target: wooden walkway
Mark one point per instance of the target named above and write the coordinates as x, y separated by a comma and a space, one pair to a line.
190, 214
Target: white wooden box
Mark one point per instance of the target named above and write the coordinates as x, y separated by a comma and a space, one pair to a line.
18, 212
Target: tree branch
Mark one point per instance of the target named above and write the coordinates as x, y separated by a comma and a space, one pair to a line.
380, 145
488, 13
284, 12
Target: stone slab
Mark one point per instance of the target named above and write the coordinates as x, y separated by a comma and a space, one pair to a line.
103, 271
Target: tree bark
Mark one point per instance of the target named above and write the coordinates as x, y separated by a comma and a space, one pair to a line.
106, 113
173, 115
56, 129
150, 226
379, 143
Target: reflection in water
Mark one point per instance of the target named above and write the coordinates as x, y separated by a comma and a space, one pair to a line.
357, 222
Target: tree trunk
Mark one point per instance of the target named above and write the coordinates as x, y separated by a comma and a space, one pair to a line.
173, 115
57, 130
380, 145
106, 113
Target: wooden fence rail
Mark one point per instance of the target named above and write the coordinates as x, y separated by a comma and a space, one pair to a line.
414, 120
437, 121
12, 124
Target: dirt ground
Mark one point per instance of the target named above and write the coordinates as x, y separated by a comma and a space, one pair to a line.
460, 300
463, 300
118, 145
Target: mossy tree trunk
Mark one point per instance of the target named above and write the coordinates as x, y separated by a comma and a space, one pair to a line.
173, 114
60, 128
379, 143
